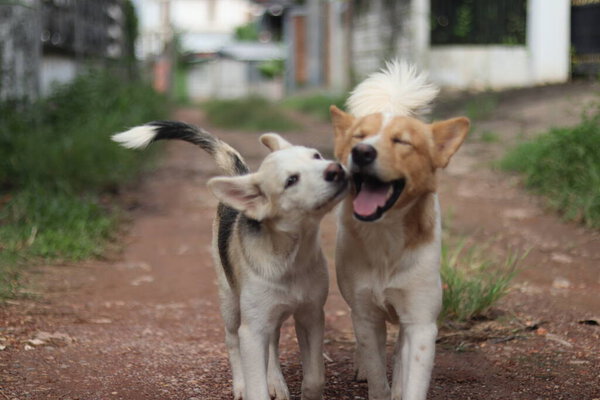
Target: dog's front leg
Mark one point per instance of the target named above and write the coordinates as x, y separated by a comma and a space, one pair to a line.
254, 339
369, 328
310, 322
418, 352
277, 386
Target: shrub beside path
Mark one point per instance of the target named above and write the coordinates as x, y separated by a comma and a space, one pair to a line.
144, 323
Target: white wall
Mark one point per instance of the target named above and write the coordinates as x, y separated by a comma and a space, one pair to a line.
228, 79
544, 59
56, 69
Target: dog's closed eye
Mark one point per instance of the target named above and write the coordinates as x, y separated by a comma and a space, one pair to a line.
401, 141
291, 180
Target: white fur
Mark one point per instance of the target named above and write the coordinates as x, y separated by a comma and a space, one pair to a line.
379, 277
280, 270
136, 138
383, 282
397, 89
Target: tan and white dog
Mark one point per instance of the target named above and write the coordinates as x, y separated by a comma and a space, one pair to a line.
267, 253
389, 236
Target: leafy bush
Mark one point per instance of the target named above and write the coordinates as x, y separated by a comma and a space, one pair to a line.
251, 114
57, 161
564, 166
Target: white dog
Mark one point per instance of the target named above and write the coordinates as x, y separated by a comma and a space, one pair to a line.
389, 237
267, 253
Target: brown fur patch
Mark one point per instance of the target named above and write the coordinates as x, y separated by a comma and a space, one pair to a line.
419, 223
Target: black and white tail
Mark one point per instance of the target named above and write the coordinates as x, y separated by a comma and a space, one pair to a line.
226, 157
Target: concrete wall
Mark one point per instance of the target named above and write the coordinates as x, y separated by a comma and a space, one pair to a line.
56, 70
20, 49
228, 79
544, 59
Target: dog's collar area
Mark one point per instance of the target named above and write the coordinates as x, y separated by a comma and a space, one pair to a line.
374, 197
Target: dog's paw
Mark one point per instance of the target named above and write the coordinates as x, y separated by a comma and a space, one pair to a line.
278, 390
359, 374
238, 391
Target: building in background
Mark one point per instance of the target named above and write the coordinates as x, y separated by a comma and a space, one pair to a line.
216, 63
464, 44
48, 42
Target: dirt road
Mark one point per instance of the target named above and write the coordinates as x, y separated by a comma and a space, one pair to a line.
144, 323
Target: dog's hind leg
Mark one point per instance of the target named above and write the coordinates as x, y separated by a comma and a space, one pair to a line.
231, 316
397, 368
310, 323
277, 386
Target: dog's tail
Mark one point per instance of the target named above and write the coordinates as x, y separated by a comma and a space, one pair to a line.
398, 89
226, 157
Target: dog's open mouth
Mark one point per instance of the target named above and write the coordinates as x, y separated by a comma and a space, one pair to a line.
374, 197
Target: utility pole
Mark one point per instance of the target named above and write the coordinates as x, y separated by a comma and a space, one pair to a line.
163, 69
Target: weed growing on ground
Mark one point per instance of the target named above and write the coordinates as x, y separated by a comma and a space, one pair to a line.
481, 107
489, 137
563, 165
57, 162
472, 281
315, 104
255, 114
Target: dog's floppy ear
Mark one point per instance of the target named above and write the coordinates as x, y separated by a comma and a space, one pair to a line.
341, 121
274, 142
241, 193
448, 136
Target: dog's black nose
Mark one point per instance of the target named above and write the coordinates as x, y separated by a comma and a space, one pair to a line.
334, 173
363, 154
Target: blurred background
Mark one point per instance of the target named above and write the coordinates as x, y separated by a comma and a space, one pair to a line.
232, 48
108, 248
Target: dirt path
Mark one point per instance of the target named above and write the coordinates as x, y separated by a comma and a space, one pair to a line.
145, 325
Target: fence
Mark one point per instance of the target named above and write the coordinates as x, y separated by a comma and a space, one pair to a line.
478, 22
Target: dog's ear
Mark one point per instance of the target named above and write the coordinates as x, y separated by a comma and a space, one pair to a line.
241, 193
274, 142
448, 136
341, 121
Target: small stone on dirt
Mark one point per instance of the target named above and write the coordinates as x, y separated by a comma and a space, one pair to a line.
142, 279
561, 283
561, 258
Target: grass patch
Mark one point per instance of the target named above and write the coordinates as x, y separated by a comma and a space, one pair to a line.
489, 137
472, 281
563, 165
57, 165
481, 107
316, 105
255, 114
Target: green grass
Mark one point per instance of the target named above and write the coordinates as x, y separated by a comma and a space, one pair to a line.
481, 107
489, 137
316, 105
563, 165
58, 169
254, 114
472, 281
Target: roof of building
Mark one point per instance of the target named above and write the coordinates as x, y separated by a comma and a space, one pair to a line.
252, 51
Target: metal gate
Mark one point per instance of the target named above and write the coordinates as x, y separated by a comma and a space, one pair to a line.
585, 36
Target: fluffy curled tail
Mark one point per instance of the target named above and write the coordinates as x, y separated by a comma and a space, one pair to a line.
398, 89
226, 157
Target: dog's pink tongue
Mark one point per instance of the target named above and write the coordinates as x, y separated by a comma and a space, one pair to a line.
369, 199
